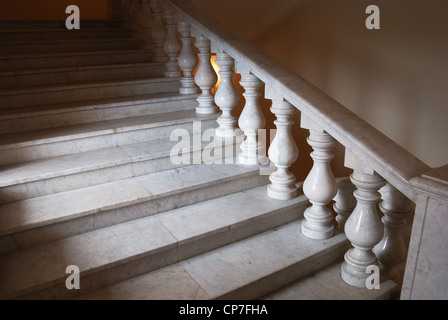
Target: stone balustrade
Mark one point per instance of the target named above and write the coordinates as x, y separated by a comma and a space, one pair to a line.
382, 170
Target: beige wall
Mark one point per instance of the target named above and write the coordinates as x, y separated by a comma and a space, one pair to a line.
51, 9
396, 78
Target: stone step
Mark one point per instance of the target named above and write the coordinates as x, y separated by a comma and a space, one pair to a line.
33, 34
120, 252
50, 116
72, 59
327, 284
57, 174
68, 140
76, 92
47, 46
50, 76
53, 24
60, 215
246, 269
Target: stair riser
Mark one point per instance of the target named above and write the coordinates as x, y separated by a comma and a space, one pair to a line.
73, 76
93, 113
57, 24
149, 262
64, 34
77, 93
147, 207
52, 47
77, 59
288, 275
105, 139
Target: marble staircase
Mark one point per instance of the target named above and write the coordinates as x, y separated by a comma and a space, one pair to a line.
87, 179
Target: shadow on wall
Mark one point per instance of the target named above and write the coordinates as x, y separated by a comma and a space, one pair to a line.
51, 9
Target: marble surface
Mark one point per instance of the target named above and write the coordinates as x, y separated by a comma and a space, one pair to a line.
44, 143
63, 93
426, 270
116, 245
326, 284
31, 77
50, 116
169, 283
202, 277
63, 214
68, 59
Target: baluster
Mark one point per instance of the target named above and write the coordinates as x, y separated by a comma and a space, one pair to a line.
251, 120
320, 185
363, 228
188, 59
171, 46
226, 97
158, 32
345, 201
283, 151
391, 251
205, 77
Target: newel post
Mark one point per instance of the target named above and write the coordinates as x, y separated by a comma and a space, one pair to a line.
425, 275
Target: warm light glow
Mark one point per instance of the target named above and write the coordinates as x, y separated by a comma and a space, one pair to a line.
217, 69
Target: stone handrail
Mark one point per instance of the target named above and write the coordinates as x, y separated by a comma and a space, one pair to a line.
370, 146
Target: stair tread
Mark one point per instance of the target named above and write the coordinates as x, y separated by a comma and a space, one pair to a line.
29, 213
76, 68
327, 284
62, 29
85, 84
91, 104
63, 41
28, 138
103, 248
68, 54
207, 275
87, 161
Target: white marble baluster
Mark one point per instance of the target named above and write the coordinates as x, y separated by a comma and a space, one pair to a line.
363, 228
345, 201
392, 250
205, 78
251, 120
226, 97
283, 151
158, 32
171, 46
187, 60
320, 185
